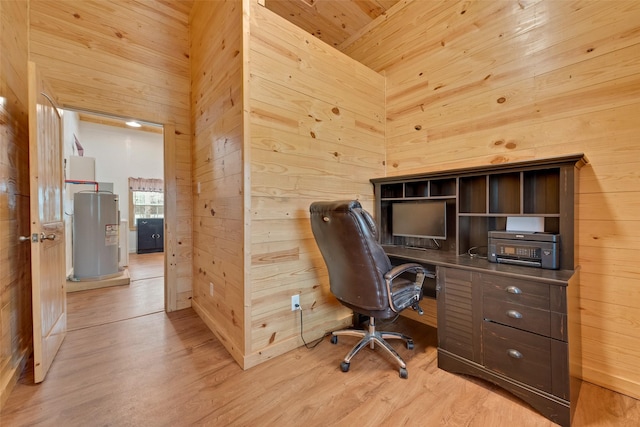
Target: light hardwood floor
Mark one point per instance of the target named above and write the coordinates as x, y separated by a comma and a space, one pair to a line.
143, 296
120, 366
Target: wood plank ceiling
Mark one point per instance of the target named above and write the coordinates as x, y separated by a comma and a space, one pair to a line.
332, 21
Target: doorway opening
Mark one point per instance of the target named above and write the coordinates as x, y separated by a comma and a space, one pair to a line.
103, 155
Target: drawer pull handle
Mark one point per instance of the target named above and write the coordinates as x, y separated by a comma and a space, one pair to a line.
514, 314
514, 353
514, 290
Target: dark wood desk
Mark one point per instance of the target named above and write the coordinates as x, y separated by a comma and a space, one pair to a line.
504, 323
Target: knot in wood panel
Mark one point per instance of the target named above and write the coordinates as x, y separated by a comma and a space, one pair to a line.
499, 159
509, 145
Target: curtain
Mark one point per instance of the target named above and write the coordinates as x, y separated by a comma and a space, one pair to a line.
146, 184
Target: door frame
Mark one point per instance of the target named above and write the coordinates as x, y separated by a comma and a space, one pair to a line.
170, 210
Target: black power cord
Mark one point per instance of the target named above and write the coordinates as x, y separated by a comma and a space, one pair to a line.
478, 252
314, 343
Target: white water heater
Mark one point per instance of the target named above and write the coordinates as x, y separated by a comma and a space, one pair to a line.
95, 235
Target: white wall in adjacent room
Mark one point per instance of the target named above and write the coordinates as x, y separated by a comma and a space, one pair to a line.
71, 123
121, 153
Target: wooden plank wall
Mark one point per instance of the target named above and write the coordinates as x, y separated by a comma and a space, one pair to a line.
15, 267
218, 170
257, 173
129, 59
316, 133
471, 83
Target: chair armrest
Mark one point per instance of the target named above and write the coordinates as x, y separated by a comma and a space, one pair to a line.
420, 273
412, 266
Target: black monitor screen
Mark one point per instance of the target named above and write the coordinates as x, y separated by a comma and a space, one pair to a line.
426, 219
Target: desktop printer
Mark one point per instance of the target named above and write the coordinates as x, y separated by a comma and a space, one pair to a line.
524, 248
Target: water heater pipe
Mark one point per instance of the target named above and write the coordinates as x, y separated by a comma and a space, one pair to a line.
75, 181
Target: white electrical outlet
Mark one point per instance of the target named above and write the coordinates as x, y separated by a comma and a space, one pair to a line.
295, 302
211, 288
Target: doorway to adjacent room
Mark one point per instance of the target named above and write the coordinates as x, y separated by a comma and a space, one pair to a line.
117, 155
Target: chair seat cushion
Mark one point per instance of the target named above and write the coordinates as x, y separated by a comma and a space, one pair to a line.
406, 293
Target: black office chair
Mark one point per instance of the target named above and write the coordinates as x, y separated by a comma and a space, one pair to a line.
361, 276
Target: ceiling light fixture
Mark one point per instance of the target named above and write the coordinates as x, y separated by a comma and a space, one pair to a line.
133, 124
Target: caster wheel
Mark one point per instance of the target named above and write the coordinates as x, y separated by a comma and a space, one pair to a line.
410, 345
344, 366
334, 339
403, 373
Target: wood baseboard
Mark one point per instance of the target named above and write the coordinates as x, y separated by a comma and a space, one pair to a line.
9, 380
247, 361
264, 354
235, 352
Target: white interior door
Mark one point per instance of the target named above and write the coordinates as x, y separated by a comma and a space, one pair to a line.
47, 225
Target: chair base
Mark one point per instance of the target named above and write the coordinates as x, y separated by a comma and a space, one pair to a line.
370, 337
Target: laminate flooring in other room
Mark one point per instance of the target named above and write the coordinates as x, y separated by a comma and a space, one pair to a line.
143, 295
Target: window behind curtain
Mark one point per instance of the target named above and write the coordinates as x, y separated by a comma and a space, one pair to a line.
146, 199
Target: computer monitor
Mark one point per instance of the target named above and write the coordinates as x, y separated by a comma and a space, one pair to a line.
424, 219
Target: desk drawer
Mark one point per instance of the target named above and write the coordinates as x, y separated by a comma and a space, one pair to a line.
531, 294
520, 355
519, 316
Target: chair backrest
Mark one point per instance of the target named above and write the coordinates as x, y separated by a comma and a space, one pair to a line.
347, 237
